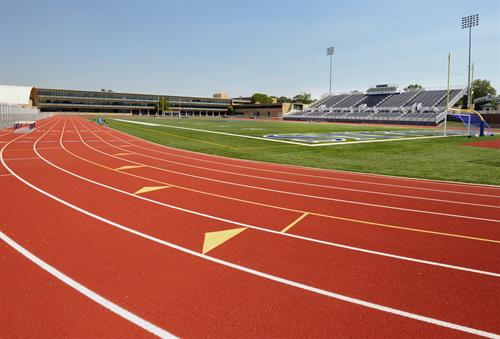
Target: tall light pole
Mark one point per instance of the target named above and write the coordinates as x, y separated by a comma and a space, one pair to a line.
469, 22
329, 52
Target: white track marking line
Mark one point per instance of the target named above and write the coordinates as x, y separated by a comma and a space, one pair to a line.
266, 205
322, 242
295, 182
308, 168
259, 273
318, 197
5, 175
29, 158
118, 310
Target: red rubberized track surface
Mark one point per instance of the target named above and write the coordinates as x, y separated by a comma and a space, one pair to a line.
319, 253
485, 143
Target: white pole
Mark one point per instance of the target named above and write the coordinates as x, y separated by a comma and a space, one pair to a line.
445, 121
330, 92
469, 69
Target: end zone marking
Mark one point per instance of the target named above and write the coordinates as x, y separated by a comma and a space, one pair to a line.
133, 318
214, 239
294, 222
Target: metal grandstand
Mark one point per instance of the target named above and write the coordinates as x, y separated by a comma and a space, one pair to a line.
382, 104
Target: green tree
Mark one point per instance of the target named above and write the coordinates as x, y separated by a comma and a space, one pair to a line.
283, 99
162, 105
304, 98
482, 88
261, 98
414, 88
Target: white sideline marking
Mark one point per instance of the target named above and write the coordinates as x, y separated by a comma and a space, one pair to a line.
213, 132
255, 272
327, 243
442, 182
274, 140
315, 196
133, 318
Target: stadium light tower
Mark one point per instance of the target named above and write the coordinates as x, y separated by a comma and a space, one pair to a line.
329, 52
469, 22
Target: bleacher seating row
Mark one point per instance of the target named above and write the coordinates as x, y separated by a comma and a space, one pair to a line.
412, 107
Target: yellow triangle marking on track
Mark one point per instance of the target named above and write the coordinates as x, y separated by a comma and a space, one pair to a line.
127, 167
214, 239
146, 189
123, 153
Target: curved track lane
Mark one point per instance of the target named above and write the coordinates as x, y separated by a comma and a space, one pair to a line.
133, 249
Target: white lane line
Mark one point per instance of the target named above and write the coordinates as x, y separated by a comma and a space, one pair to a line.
236, 199
29, 158
5, 175
314, 196
405, 196
322, 242
290, 173
127, 315
259, 273
371, 175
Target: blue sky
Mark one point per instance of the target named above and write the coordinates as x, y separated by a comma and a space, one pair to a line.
243, 47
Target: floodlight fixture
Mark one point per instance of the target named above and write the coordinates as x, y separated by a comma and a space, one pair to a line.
469, 22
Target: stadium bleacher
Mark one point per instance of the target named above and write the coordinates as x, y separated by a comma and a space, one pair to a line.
382, 104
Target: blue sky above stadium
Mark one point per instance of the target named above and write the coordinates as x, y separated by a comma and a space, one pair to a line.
242, 47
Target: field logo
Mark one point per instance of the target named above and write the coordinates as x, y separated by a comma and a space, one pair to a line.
314, 138
309, 138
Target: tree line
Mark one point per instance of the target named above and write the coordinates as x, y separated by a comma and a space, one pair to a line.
262, 98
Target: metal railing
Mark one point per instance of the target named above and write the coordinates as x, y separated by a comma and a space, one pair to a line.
12, 113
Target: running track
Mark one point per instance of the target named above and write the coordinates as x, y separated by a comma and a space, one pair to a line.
315, 253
